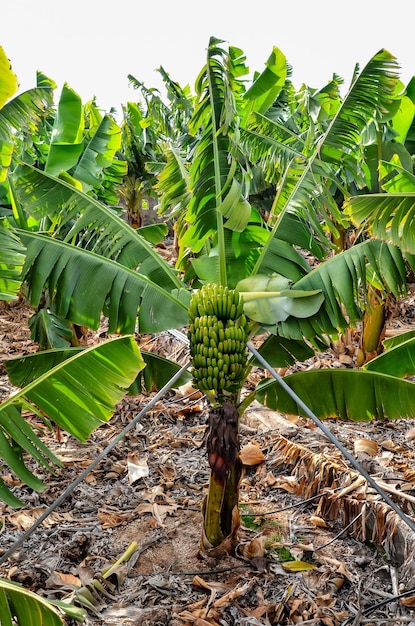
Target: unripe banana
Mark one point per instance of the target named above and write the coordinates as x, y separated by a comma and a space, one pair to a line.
217, 338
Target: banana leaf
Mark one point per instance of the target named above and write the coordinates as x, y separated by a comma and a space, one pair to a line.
25, 369
21, 607
25, 111
21, 113
389, 216
268, 85
347, 394
90, 225
398, 359
78, 394
270, 300
67, 136
156, 373
281, 352
392, 342
99, 154
70, 272
50, 331
217, 178
12, 255
342, 280
304, 184
173, 183
8, 79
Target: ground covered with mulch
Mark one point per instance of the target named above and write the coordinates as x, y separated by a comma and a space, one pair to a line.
318, 545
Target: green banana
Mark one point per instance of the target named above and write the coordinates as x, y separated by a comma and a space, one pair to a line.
217, 337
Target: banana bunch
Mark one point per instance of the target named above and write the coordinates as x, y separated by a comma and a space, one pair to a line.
217, 336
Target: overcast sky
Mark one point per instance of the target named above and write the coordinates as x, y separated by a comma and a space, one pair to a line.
94, 44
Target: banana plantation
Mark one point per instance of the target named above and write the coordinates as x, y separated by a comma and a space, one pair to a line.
222, 238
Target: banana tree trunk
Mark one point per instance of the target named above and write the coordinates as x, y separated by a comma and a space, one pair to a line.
373, 328
221, 507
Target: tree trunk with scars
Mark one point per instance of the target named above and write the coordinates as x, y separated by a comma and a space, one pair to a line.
221, 512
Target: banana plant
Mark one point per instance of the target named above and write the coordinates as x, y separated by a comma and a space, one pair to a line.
228, 251
90, 240
225, 242
389, 166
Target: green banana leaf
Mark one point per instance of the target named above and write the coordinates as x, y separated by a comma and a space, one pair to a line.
372, 94
392, 342
347, 394
173, 184
241, 250
90, 224
218, 181
156, 373
50, 331
389, 216
70, 271
78, 394
25, 369
342, 280
12, 255
21, 607
25, 111
305, 182
398, 358
22, 113
67, 137
396, 174
270, 300
403, 119
8, 79
268, 85
99, 154
8, 87
281, 352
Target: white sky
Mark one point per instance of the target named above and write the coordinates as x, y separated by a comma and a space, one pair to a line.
94, 44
